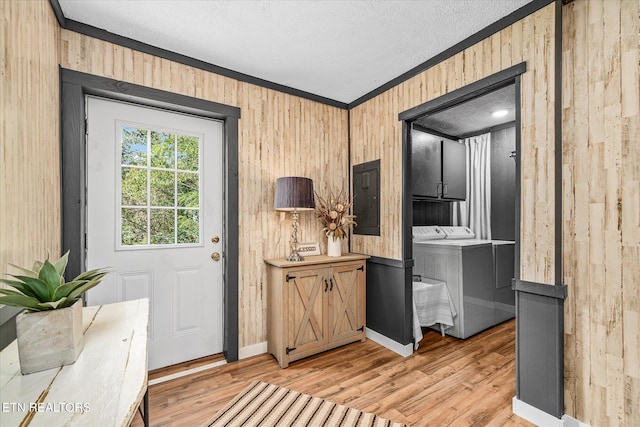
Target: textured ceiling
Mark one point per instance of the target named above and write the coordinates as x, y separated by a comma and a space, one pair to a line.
474, 115
338, 49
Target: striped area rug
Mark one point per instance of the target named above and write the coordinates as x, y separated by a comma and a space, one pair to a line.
263, 404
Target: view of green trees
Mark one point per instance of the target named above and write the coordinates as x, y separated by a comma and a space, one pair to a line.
160, 188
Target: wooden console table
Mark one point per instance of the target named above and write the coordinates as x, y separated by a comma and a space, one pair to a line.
104, 387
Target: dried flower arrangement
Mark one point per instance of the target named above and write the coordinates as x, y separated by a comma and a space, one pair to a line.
333, 211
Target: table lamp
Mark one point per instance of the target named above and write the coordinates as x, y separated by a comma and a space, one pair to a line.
293, 194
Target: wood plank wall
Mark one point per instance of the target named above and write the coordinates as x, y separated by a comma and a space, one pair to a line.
29, 133
279, 135
376, 133
282, 134
601, 203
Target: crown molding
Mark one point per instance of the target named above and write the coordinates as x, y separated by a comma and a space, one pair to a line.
101, 34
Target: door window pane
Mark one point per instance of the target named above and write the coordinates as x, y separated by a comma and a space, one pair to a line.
188, 192
162, 188
160, 181
188, 226
134, 186
162, 226
134, 146
188, 153
162, 149
134, 226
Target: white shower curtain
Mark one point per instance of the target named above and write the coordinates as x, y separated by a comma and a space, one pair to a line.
475, 211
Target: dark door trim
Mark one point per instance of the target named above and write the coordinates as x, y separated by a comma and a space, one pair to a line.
74, 86
473, 90
493, 82
509, 76
539, 307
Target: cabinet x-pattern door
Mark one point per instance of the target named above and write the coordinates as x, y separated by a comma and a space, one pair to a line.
346, 293
307, 309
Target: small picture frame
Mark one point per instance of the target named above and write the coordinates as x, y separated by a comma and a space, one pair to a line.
309, 248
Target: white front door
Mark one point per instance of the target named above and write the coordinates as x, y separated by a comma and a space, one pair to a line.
154, 209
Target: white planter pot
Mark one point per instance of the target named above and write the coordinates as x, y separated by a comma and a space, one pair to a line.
334, 247
49, 339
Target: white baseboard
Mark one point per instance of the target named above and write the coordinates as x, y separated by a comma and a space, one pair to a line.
402, 350
572, 422
396, 347
252, 350
243, 353
541, 418
535, 415
187, 372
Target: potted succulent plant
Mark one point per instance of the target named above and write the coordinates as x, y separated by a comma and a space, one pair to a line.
49, 332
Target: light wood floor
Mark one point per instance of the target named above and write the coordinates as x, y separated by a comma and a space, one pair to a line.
447, 382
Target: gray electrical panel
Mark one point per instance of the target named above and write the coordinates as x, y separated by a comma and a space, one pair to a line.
366, 198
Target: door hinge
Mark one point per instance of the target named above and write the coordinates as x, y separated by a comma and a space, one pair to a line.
290, 349
290, 277
361, 329
361, 268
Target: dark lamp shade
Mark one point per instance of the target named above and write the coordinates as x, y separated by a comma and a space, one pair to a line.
294, 192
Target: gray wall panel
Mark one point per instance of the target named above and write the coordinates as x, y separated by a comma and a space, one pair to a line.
539, 351
388, 301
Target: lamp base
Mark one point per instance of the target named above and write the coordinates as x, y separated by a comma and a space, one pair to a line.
295, 257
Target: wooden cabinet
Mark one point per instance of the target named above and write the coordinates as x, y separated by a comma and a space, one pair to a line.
438, 167
314, 305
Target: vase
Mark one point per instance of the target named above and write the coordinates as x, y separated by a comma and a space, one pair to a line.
334, 246
49, 339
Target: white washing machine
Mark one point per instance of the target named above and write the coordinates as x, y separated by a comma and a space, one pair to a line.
477, 273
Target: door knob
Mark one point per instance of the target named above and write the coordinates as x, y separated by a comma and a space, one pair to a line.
215, 256
215, 239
